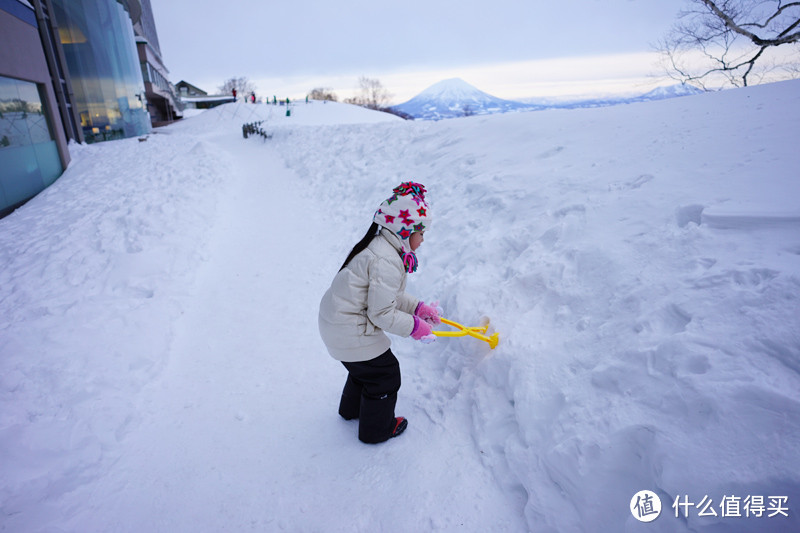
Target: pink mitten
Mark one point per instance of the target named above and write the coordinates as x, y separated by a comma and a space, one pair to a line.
429, 313
422, 331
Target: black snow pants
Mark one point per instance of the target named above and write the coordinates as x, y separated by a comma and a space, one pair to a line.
370, 394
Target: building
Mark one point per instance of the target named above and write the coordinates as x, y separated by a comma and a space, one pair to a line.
193, 97
82, 70
187, 89
33, 138
100, 50
162, 103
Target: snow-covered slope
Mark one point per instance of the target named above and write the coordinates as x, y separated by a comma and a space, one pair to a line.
160, 367
456, 98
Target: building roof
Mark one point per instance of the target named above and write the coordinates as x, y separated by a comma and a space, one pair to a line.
208, 98
192, 88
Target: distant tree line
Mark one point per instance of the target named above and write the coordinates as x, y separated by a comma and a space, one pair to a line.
242, 85
373, 95
324, 94
370, 94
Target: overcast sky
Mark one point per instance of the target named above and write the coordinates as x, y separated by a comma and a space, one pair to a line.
508, 48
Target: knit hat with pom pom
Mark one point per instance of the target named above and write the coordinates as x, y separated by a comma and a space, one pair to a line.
405, 211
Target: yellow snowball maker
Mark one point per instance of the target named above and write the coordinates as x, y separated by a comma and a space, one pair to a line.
477, 332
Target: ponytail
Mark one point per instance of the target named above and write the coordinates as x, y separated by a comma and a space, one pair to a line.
362, 244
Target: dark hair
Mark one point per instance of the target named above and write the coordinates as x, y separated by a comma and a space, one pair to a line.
362, 244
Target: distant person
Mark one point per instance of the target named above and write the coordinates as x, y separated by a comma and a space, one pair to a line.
234, 94
366, 299
253, 97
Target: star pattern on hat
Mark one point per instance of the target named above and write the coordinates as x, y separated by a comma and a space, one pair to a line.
395, 213
406, 216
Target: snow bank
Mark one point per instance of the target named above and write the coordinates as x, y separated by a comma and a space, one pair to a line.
94, 272
160, 368
644, 345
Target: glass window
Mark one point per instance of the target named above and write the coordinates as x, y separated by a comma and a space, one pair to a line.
28, 152
99, 45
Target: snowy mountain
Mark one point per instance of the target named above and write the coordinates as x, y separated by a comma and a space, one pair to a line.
659, 93
456, 98
161, 368
671, 91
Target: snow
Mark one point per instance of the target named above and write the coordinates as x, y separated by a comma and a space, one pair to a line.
672, 91
160, 367
454, 98
453, 89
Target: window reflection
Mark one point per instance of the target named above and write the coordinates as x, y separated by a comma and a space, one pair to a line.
28, 152
99, 45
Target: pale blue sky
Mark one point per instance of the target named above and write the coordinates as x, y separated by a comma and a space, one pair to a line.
510, 48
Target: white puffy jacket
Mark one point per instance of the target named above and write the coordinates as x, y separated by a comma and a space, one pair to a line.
365, 299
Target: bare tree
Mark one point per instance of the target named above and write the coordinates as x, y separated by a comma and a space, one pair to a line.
242, 85
729, 42
323, 93
372, 94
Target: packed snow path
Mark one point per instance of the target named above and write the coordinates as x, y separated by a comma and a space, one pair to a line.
239, 429
250, 396
161, 370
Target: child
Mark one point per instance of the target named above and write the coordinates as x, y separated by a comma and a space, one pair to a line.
367, 298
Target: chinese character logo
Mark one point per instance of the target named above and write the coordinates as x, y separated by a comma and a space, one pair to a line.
645, 506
